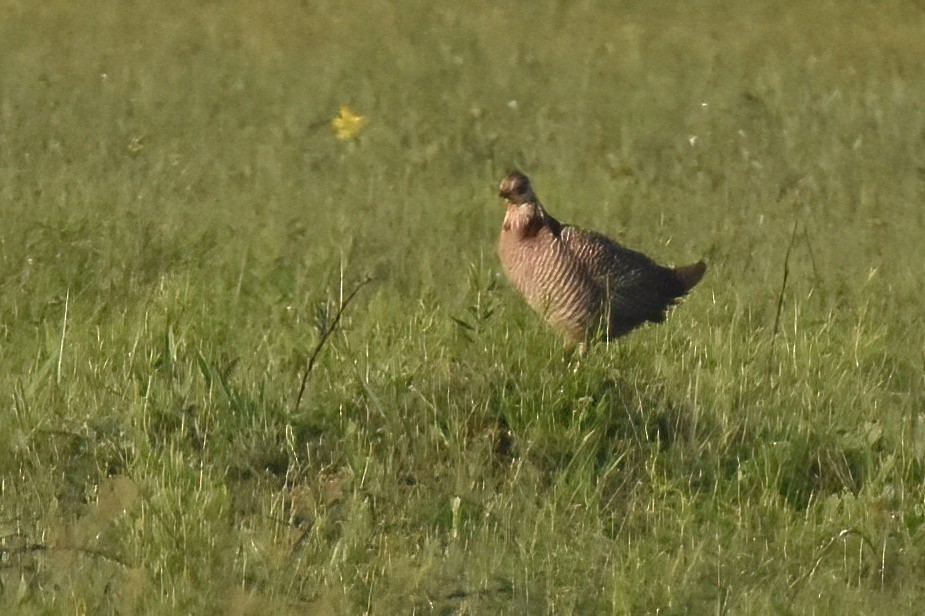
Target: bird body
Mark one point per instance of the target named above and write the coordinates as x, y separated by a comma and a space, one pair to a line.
582, 282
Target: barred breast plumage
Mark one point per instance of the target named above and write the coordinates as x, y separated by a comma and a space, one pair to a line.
582, 282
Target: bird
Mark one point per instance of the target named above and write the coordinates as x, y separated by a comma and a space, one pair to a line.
584, 284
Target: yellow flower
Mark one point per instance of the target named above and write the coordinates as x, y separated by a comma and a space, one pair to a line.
347, 125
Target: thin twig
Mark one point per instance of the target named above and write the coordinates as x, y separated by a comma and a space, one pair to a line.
783, 285
812, 257
824, 549
41, 547
67, 301
310, 364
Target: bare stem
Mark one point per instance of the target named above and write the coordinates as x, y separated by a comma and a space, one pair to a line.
325, 334
41, 547
783, 285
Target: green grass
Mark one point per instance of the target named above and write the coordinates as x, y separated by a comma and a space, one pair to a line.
178, 224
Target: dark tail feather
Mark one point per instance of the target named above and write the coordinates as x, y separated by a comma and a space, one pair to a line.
689, 275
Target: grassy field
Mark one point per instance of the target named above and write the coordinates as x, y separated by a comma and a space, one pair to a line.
179, 225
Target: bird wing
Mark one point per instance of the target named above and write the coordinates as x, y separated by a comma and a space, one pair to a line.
639, 289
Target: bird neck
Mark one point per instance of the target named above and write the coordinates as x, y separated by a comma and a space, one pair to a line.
528, 219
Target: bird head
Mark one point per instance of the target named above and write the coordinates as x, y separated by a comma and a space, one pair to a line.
515, 189
525, 214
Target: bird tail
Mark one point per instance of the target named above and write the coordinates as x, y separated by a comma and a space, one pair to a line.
689, 275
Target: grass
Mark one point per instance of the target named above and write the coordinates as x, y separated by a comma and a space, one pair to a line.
180, 226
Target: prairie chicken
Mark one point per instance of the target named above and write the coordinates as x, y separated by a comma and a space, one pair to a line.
583, 283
